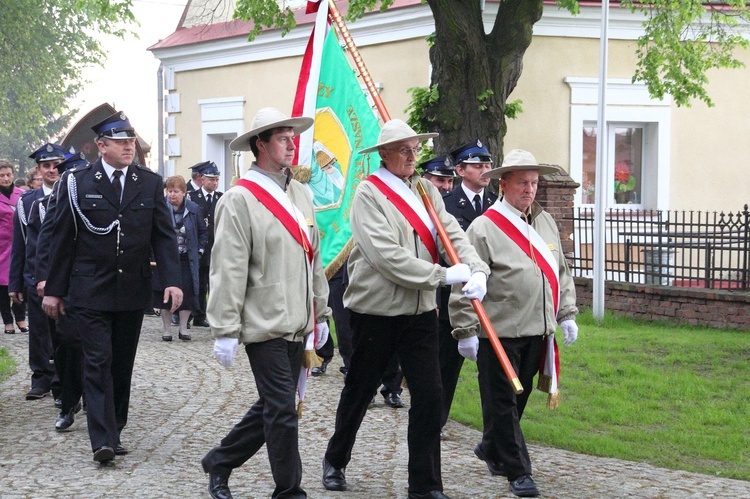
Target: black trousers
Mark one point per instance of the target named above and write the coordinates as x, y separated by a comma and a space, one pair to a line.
502, 409
9, 311
341, 318
109, 341
66, 339
203, 273
450, 366
272, 420
40, 344
376, 340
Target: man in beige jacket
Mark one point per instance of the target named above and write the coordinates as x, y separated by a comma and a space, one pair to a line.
393, 276
268, 292
529, 291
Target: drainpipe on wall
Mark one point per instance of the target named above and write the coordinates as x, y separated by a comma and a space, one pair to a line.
160, 111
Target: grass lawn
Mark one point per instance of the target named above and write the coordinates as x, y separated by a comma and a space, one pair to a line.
7, 365
672, 396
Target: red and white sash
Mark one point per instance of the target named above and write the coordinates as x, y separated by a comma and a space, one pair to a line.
531, 243
409, 205
277, 202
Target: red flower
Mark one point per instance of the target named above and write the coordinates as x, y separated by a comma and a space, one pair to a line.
622, 172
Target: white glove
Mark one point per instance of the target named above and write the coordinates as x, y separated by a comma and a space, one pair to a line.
570, 331
468, 347
458, 273
225, 349
321, 331
476, 286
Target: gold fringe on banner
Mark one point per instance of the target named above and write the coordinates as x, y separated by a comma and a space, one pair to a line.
311, 360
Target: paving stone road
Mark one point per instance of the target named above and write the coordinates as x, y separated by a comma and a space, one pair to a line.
183, 402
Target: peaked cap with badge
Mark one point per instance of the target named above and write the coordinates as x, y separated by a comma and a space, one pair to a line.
206, 169
472, 152
116, 127
48, 152
440, 166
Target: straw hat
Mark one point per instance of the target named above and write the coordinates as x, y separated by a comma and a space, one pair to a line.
267, 119
395, 131
518, 159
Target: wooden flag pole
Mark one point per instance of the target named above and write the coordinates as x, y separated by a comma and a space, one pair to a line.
484, 320
335, 15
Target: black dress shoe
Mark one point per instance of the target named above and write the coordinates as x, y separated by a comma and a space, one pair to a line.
104, 454
218, 486
201, 323
333, 478
523, 486
65, 420
433, 494
321, 369
175, 320
58, 403
120, 450
496, 467
393, 400
184, 337
37, 393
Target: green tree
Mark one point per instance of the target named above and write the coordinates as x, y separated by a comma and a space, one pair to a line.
44, 47
673, 55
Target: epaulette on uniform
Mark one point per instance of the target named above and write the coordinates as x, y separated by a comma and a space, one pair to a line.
146, 169
29, 192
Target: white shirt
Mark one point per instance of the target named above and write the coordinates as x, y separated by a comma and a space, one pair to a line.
470, 194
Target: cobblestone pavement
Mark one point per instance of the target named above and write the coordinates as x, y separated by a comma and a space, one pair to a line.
183, 402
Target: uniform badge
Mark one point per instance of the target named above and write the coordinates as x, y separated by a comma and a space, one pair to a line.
461, 203
479, 143
98, 175
50, 148
134, 177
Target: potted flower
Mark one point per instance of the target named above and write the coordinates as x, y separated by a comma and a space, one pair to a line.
624, 182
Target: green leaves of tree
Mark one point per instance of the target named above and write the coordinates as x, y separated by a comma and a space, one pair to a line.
44, 47
683, 40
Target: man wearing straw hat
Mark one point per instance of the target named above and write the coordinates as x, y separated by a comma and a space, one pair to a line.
268, 292
529, 292
394, 271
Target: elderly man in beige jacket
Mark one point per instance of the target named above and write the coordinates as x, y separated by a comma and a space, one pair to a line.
268, 292
529, 291
394, 272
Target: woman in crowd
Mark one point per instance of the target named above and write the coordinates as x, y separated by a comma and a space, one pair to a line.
34, 178
9, 195
192, 234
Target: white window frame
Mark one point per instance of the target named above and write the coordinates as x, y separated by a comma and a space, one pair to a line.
628, 104
221, 121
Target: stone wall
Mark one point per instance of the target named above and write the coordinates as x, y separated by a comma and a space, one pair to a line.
694, 306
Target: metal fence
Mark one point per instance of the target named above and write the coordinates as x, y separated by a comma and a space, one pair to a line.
669, 248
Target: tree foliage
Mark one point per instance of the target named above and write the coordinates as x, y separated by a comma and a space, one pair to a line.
44, 47
674, 55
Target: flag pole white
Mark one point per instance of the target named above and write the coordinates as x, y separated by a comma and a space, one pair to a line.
602, 173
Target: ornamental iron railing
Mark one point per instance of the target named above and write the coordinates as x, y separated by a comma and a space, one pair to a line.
668, 248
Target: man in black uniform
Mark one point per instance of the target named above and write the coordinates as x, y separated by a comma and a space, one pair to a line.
440, 171
65, 334
466, 202
22, 282
205, 197
114, 215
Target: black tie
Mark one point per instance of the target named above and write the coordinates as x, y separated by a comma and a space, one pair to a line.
478, 204
117, 184
209, 198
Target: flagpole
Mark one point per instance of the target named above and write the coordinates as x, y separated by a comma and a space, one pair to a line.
336, 18
484, 320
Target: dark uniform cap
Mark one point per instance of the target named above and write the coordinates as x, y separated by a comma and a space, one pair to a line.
207, 169
115, 127
472, 152
440, 166
72, 160
48, 152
